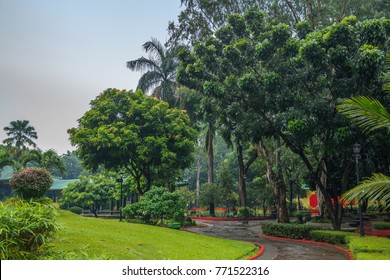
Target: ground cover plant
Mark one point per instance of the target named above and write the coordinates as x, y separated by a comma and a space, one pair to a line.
90, 238
25, 229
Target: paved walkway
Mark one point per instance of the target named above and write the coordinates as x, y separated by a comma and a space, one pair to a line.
274, 249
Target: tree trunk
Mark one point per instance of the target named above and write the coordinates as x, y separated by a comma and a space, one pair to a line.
241, 175
210, 155
277, 183
198, 167
323, 211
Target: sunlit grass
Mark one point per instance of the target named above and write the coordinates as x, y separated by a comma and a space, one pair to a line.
91, 238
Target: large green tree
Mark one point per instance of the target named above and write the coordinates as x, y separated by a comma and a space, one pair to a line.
272, 80
159, 69
125, 129
21, 134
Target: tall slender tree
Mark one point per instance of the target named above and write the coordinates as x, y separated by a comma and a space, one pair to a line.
159, 70
21, 134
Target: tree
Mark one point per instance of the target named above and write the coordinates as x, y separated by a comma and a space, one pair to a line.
72, 165
275, 81
160, 71
49, 160
125, 129
20, 134
210, 195
199, 19
90, 192
227, 187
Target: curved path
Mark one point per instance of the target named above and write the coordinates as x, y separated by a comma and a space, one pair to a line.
274, 249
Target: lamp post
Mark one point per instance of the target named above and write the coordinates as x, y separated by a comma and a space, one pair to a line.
356, 156
120, 180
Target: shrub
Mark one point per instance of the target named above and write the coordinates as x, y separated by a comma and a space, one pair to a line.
31, 182
156, 204
369, 247
294, 231
25, 229
77, 210
246, 212
381, 225
330, 236
303, 216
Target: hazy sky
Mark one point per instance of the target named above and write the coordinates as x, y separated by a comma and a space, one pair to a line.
58, 55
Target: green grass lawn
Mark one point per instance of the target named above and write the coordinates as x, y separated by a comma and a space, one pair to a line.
91, 238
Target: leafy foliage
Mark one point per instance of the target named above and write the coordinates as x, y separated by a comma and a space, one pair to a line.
20, 133
25, 229
160, 71
381, 225
293, 231
125, 129
369, 248
366, 112
157, 204
49, 159
90, 192
375, 188
331, 236
31, 182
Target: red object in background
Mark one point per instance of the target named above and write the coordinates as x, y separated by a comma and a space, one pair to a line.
313, 201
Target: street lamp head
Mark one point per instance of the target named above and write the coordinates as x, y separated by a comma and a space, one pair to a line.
356, 148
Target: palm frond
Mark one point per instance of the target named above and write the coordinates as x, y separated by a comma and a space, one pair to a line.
366, 112
155, 49
375, 188
149, 81
142, 64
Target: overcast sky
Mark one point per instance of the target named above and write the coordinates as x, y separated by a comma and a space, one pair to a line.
56, 56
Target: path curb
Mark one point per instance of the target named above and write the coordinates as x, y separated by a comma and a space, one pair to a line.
261, 251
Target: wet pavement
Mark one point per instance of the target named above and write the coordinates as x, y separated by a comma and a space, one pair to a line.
273, 249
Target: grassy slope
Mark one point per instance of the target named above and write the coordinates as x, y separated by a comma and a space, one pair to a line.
91, 238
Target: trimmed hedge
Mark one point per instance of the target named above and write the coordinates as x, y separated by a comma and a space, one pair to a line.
381, 225
331, 236
369, 248
293, 231
77, 210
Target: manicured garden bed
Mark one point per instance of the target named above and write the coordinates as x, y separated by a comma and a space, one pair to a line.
361, 248
91, 238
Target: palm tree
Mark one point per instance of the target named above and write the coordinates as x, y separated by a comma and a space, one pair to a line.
369, 114
160, 71
20, 134
48, 160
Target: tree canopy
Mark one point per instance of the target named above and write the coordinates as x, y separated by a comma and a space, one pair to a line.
271, 80
126, 129
21, 134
